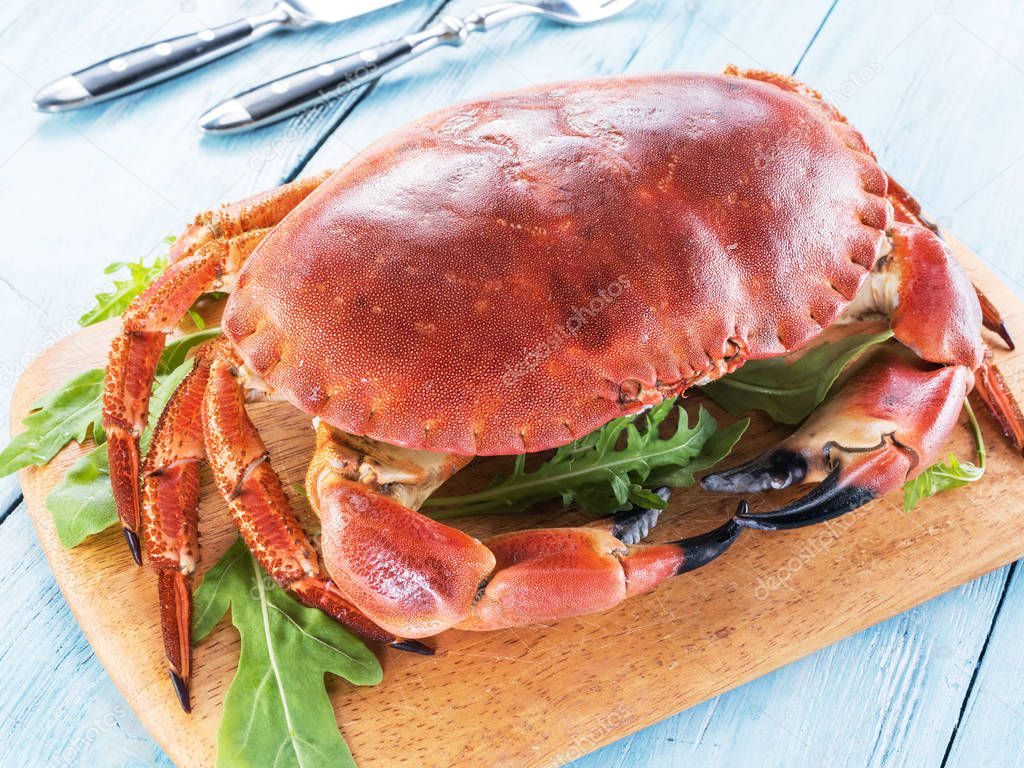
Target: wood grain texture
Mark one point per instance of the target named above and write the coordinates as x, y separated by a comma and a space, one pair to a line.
539, 696
888, 696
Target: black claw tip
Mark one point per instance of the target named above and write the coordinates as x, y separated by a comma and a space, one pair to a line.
774, 470
828, 500
634, 525
181, 689
133, 544
412, 646
701, 550
1006, 336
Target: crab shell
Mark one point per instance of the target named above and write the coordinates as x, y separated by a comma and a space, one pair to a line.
507, 275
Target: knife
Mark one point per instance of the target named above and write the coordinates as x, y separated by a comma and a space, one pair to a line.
155, 62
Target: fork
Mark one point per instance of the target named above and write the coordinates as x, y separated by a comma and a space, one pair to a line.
277, 99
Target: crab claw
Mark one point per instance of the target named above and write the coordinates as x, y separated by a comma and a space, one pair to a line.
701, 549
887, 424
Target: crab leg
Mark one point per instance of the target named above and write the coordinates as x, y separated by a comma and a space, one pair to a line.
417, 577
552, 573
908, 211
633, 525
993, 319
1001, 403
170, 505
939, 314
253, 492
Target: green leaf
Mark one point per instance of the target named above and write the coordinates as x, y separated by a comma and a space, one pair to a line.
176, 350
83, 504
938, 478
67, 414
716, 449
277, 712
952, 474
599, 475
787, 389
113, 303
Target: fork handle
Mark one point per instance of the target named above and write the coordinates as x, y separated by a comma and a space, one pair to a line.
277, 99
152, 63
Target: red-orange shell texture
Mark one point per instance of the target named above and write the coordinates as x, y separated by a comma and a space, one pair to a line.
509, 274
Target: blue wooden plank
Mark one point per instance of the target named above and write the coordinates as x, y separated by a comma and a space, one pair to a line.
989, 733
930, 85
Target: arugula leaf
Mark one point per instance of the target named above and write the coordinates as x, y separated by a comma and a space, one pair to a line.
176, 350
716, 449
946, 476
277, 711
67, 414
113, 303
937, 478
601, 477
788, 390
83, 504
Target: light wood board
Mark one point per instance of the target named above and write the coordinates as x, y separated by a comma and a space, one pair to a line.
545, 695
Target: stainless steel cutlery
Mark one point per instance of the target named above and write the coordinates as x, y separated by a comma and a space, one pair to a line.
277, 99
155, 62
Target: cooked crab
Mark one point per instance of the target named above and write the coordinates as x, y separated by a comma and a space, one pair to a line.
437, 299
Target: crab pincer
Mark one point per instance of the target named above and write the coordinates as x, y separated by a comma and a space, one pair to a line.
889, 422
514, 579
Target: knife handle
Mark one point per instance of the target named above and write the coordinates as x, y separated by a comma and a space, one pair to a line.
277, 99
292, 93
155, 62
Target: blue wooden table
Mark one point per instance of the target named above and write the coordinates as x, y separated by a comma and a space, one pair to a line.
937, 86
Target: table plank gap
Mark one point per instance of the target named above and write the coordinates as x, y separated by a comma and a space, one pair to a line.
814, 37
988, 731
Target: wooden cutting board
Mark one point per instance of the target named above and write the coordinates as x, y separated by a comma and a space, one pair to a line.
543, 696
